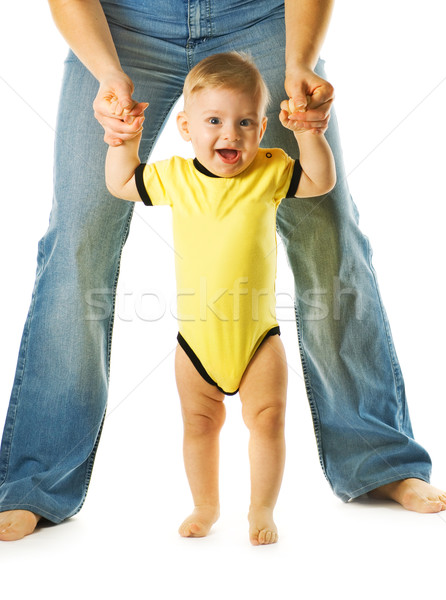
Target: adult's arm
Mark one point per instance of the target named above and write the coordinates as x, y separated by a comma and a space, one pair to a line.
84, 26
307, 23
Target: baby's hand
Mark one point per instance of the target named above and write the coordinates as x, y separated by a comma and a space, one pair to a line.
119, 121
297, 127
120, 116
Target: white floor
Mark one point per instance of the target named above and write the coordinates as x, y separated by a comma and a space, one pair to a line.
326, 551
386, 61
124, 544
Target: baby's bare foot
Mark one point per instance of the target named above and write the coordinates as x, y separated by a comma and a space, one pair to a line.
199, 523
262, 529
16, 524
413, 494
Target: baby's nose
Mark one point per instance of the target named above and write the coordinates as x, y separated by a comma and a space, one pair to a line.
230, 133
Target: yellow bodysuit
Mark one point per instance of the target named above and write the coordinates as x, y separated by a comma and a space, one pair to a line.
224, 233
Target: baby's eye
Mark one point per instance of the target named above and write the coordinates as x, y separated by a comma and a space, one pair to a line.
245, 122
214, 121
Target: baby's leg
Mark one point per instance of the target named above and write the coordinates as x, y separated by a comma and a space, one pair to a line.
263, 396
203, 417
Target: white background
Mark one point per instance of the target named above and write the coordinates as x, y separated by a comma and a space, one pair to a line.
386, 60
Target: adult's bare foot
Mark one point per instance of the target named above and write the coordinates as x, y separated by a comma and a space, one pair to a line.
412, 494
16, 524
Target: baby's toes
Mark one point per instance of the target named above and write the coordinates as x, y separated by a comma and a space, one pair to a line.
266, 536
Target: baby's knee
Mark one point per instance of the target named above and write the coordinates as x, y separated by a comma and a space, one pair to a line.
269, 420
199, 424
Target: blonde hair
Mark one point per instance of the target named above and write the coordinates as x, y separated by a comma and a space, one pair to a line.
230, 70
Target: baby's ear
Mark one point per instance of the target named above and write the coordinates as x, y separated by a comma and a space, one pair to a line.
263, 126
183, 126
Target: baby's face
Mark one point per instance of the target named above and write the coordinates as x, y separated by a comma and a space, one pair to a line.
225, 127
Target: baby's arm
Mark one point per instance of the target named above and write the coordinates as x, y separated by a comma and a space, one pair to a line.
316, 159
120, 167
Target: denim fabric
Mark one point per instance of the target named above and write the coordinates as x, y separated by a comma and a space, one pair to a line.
353, 380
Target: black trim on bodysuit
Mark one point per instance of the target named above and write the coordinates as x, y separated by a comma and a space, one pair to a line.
139, 180
202, 169
199, 365
294, 184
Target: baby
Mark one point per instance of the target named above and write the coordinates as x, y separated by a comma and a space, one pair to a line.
224, 205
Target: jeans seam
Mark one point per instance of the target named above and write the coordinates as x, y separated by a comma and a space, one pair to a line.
115, 285
89, 471
396, 372
91, 458
210, 21
311, 402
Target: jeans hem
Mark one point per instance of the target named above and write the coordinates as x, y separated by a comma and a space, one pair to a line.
34, 509
372, 486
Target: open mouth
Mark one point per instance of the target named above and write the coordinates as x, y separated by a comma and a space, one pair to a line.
229, 155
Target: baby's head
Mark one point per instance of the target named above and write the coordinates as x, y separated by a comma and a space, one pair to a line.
234, 71
225, 100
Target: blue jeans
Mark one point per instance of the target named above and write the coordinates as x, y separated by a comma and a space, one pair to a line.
353, 380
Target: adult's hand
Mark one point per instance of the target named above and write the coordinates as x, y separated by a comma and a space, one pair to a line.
117, 112
311, 97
